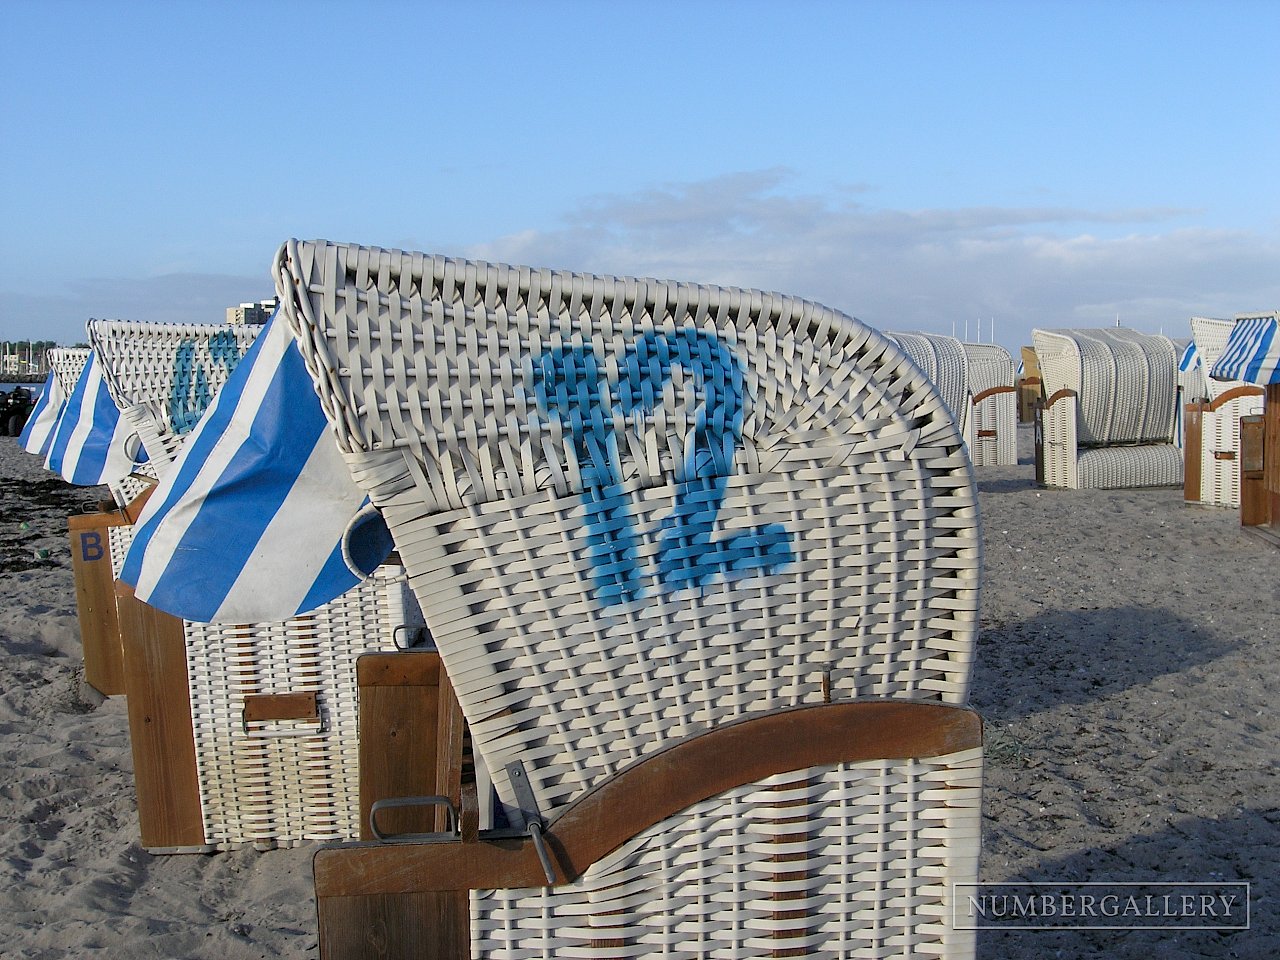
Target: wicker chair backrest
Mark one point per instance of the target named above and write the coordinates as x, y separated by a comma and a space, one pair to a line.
990, 366
67, 364
1126, 382
632, 510
164, 375
944, 362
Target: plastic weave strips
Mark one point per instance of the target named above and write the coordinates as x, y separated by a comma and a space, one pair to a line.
548, 450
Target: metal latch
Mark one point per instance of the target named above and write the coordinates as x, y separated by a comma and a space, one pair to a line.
534, 824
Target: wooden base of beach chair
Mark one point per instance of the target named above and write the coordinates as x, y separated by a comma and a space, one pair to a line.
95, 594
411, 733
415, 900
160, 728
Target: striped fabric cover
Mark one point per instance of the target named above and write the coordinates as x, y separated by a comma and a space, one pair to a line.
89, 445
37, 435
163, 376
632, 510
258, 494
1252, 353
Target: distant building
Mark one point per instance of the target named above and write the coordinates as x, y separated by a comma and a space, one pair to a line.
253, 313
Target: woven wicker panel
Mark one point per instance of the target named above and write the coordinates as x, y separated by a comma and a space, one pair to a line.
990, 365
855, 860
993, 431
1059, 447
164, 375
1126, 382
282, 782
1220, 475
631, 510
67, 364
1122, 467
1211, 339
945, 362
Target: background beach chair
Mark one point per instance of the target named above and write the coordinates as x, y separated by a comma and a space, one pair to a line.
249, 731
991, 418
1212, 447
160, 378
1252, 355
1030, 385
643, 519
1109, 417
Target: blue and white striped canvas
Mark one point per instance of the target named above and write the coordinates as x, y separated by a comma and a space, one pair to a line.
90, 443
1252, 353
251, 521
37, 435
1190, 358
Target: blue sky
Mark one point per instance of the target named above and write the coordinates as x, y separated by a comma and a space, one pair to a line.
919, 165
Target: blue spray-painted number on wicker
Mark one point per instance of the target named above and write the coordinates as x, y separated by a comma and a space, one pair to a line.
190, 395
569, 386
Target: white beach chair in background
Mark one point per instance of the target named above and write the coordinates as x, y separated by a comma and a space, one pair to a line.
243, 732
1212, 452
1109, 417
667, 538
991, 419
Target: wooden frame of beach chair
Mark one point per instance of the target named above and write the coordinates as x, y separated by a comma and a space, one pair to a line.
1109, 418
847, 779
634, 513
1212, 434
252, 734
991, 421
1030, 386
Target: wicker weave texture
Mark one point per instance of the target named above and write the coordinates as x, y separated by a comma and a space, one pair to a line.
282, 782
1126, 382
990, 365
632, 509
945, 362
1211, 337
853, 860
164, 375
67, 364
1059, 448
1123, 467
993, 430
1220, 450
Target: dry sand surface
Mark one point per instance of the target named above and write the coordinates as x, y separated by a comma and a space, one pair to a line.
1125, 671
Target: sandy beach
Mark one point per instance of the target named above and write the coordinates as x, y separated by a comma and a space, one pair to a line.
1127, 654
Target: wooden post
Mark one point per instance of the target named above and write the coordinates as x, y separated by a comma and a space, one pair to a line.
1192, 445
160, 727
96, 599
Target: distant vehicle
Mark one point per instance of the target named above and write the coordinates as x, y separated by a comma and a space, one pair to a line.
15, 407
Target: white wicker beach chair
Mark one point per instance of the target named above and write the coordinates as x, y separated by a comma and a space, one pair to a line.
242, 734
249, 734
991, 419
163, 375
1212, 449
636, 515
945, 362
1109, 417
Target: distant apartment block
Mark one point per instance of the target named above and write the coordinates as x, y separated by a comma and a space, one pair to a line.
254, 313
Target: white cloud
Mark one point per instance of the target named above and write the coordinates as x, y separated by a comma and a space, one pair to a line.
918, 269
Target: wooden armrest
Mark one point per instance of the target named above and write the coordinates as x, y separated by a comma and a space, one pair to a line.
1061, 394
991, 392
651, 790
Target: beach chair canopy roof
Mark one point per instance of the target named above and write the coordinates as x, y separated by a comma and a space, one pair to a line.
945, 362
990, 366
1252, 351
1125, 382
633, 509
258, 518
163, 376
